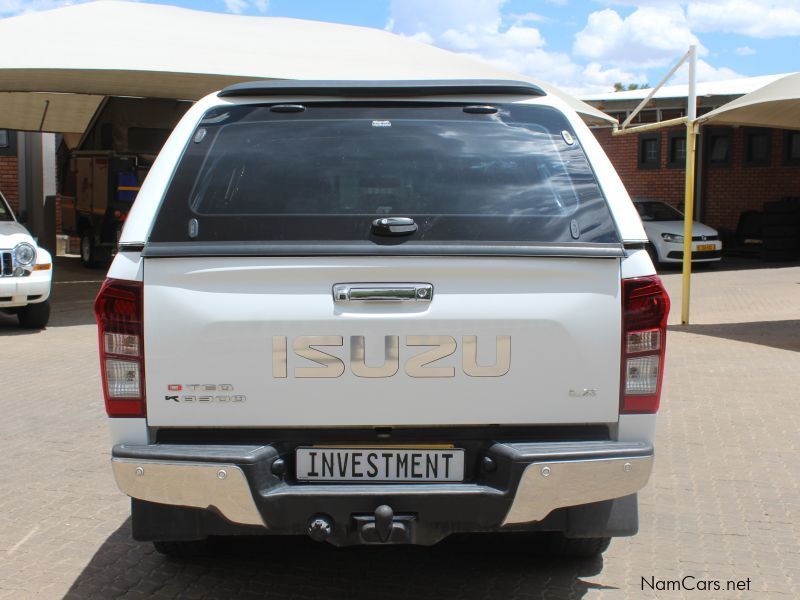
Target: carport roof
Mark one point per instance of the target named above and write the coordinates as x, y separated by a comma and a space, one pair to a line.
777, 104
59, 64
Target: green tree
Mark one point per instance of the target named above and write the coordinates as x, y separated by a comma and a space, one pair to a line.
621, 87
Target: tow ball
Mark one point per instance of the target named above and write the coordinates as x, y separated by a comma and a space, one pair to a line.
384, 527
381, 527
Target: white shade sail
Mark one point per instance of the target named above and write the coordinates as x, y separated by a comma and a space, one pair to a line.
58, 64
777, 104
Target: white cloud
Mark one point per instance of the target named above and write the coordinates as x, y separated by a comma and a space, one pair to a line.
745, 51
755, 18
475, 28
613, 48
235, 6
413, 16
654, 36
595, 78
705, 72
649, 37
529, 17
240, 6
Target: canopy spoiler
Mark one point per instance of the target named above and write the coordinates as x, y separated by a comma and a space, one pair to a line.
443, 87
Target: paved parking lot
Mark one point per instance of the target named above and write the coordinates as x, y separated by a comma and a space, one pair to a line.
723, 503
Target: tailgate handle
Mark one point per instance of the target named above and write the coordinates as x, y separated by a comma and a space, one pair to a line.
382, 292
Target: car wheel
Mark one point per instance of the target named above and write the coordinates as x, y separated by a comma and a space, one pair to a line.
184, 549
34, 316
559, 545
88, 250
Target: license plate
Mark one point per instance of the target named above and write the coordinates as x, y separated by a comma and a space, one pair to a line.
379, 464
705, 247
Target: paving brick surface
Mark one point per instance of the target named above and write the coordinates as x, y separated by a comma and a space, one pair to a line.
723, 502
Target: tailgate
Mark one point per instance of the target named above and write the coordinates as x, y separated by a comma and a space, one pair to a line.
231, 341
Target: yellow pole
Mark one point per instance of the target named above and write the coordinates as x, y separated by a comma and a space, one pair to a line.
691, 158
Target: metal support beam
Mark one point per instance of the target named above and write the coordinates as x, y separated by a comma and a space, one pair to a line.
688, 208
649, 126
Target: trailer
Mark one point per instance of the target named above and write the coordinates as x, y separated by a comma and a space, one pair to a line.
102, 174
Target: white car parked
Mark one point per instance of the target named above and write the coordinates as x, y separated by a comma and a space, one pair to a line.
25, 272
664, 227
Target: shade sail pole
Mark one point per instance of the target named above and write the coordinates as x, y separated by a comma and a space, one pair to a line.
691, 161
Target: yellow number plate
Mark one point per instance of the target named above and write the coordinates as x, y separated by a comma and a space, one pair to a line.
705, 247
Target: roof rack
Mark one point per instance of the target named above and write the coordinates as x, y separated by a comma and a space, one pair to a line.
441, 87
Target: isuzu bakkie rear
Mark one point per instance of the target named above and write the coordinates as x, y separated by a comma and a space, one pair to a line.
382, 313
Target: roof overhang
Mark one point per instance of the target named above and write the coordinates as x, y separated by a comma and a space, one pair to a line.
774, 105
65, 113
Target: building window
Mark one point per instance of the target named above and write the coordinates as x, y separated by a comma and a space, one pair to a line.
719, 147
757, 144
8, 143
672, 113
646, 116
791, 148
619, 116
650, 151
677, 150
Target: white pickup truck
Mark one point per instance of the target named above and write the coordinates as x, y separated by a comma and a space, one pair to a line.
382, 313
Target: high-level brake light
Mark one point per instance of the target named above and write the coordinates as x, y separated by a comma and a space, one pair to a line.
645, 307
118, 310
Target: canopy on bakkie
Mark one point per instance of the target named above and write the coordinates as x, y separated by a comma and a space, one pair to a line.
777, 104
59, 64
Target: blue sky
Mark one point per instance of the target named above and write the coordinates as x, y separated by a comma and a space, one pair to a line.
582, 45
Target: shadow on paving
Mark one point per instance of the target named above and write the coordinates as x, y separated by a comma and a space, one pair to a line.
729, 263
784, 335
71, 298
476, 566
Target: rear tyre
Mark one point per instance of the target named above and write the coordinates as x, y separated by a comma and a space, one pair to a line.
185, 549
565, 547
88, 249
34, 316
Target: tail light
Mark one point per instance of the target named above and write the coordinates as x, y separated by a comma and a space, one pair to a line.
118, 310
645, 307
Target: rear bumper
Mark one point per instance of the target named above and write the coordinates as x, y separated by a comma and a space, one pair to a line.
252, 487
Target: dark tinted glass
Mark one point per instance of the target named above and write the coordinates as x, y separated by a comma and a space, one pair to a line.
677, 149
5, 211
657, 211
720, 148
794, 146
758, 147
324, 174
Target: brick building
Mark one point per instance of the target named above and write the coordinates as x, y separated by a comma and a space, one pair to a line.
738, 168
9, 168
